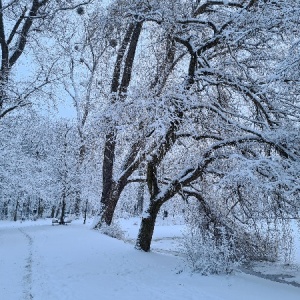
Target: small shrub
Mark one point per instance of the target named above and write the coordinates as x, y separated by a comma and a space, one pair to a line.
114, 231
219, 247
208, 255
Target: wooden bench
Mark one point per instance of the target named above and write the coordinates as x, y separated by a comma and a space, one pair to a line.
56, 221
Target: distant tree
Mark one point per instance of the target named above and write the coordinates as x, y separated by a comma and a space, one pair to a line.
62, 165
24, 28
24, 175
85, 48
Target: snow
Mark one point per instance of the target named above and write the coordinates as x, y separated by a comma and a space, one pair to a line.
41, 261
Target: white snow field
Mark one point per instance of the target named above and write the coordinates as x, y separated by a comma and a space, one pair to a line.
44, 262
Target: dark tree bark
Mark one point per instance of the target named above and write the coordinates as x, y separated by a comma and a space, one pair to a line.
77, 208
85, 211
40, 208
16, 211
114, 195
63, 209
107, 169
4, 213
147, 227
57, 210
112, 189
53, 211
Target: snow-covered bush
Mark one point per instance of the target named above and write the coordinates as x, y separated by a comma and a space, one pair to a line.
114, 230
215, 243
207, 254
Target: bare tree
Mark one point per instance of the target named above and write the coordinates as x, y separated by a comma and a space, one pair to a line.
28, 18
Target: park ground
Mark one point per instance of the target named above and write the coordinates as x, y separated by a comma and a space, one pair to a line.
44, 262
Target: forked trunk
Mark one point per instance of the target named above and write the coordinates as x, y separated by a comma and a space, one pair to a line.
121, 79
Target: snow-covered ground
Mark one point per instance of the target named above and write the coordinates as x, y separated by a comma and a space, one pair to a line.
40, 261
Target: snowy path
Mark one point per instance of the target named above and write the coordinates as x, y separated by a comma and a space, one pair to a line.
73, 262
15, 268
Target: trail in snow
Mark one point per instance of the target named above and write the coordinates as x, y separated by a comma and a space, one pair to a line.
27, 279
74, 262
13, 255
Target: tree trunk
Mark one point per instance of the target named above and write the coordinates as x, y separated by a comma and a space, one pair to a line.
16, 211
63, 210
108, 213
57, 210
78, 196
144, 238
139, 207
40, 209
112, 201
77, 208
85, 212
53, 211
5, 211
111, 190
107, 169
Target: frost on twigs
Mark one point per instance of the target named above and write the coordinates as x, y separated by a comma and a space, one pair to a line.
207, 255
221, 247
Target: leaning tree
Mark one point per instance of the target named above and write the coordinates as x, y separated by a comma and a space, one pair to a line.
229, 108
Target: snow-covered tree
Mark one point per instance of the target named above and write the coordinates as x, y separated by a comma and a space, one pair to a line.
230, 109
23, 25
